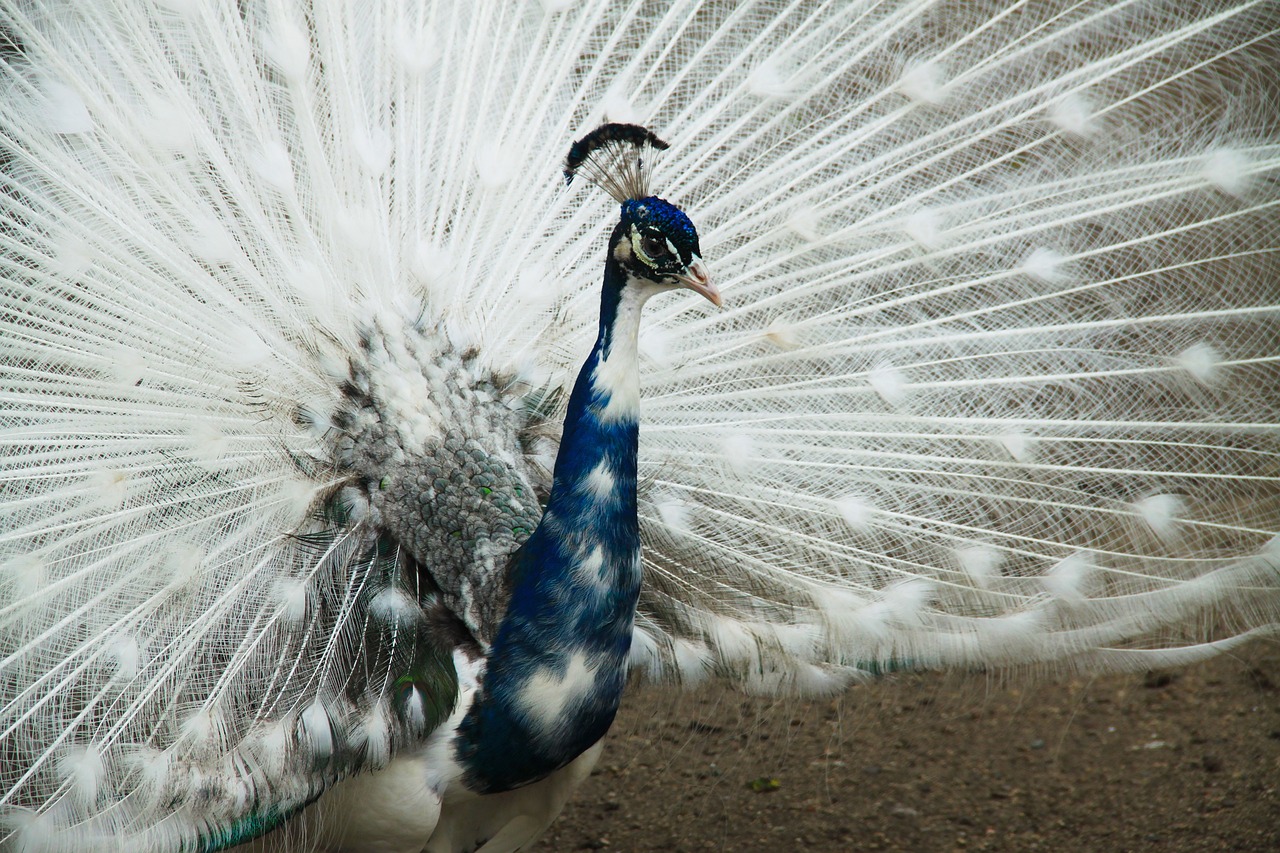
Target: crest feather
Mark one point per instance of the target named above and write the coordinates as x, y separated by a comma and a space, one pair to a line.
612, 158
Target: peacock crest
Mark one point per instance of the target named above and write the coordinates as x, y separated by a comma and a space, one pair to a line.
613, 158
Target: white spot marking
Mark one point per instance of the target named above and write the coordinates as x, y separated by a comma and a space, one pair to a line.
356, 228
1019, 445
83, 767
416, 52
373, 146
856, 512
316, 731
588, 569
1068, 578
374, 733
739, 450
1044, 264
770, 80
272, 746
72, 255
205, 730
1072, 114
781, 334
208, 445
618, 106
692, 661
980, 562
430, 266
495, 166
395, 607
245, 349
889, 383
1161, 512
272, 164
600, 481
1013, 636
925, 83
1202, 361
674, 513
645, 654
291, 600
169, 128
64, 110
901, 604
732, 639
1227, 170
110, 488
548, 693
924, 227
415, 712
288, 49
126, 656
804, 223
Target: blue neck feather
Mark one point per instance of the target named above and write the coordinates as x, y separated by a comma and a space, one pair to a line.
557, 666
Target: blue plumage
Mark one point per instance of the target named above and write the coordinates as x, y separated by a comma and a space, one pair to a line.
555, 672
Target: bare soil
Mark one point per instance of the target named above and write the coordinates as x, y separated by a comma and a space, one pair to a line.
1182, 761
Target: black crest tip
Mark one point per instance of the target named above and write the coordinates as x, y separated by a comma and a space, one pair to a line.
610, 157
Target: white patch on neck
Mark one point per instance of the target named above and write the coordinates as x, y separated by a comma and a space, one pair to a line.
618, 374
600, 481
588, 569
548, 693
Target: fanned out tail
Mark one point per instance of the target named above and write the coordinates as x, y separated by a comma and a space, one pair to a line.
997, 380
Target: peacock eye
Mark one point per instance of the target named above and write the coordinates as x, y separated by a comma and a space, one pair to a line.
654, 245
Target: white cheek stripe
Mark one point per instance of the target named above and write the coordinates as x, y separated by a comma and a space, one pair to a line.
618, 375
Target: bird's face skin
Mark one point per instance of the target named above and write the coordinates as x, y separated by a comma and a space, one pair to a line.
660, 244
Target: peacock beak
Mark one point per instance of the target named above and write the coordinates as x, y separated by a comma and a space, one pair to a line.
698, 279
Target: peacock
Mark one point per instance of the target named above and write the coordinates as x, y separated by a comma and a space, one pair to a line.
342, 496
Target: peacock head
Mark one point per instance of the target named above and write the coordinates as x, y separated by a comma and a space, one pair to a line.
654, 241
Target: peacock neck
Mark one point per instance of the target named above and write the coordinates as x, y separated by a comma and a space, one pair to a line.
607, 393
556, 669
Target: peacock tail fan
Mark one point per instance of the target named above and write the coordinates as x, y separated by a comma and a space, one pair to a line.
996, 383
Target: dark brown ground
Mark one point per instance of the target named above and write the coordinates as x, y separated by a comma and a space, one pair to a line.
1172, 761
